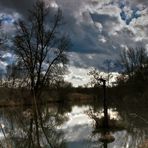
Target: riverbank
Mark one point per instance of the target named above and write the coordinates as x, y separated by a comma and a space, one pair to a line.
22, 97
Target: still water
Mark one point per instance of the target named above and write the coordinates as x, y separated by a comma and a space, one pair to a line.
68, 126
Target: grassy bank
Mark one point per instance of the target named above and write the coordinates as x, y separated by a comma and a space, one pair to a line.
17, 97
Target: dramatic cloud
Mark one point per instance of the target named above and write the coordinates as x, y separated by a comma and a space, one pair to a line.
16, 5
98, 29
103, 28
78, 76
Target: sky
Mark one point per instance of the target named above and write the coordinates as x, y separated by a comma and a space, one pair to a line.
99, 30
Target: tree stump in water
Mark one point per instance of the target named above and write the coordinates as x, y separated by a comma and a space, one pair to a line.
107, 138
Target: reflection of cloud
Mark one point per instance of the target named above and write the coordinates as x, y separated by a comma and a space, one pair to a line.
2, 67
78, 131
78, 127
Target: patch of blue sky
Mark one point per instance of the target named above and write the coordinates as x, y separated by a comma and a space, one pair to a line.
122, 4
127, 18
7, 19
125, 15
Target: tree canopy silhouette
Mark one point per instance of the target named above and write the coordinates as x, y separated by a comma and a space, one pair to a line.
134, 60
41, 47
135, 64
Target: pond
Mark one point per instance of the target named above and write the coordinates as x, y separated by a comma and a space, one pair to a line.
69, 126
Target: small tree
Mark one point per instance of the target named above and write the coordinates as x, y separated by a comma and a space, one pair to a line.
107, 63
95, 76
40, 47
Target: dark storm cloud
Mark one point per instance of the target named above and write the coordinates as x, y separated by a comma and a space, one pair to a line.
98, 29
101, 17
135, 2
84, 32
20, 6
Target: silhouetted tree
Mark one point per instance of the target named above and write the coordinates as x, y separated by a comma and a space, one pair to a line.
1, 37
134, 60
135, 75
95, 76
40, 47
108, 63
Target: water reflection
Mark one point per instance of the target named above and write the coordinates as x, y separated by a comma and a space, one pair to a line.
31, 127
65, 125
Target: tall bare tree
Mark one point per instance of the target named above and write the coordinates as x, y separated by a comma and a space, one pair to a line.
1, 38
0, 32
40, 46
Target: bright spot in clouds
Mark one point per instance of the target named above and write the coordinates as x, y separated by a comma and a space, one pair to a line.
77, 76
99, 30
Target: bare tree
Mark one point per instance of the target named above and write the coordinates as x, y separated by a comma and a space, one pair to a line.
95, 76
41, 47
3, 36
133, 60
0, 32
108, 63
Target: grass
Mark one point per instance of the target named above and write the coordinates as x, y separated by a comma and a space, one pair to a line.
21, 96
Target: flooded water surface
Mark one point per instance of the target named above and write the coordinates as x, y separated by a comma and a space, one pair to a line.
69, 126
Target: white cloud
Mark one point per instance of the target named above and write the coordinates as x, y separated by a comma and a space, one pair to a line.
77, 76
94, 39
7, 55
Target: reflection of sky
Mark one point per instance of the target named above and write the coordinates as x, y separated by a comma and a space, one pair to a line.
2, 129
1, 135
78, 131
78, 127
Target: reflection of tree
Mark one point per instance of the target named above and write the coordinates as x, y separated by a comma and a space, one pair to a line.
101, 132
21, 128
63, 107
136, 119
134, 134
33, 128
